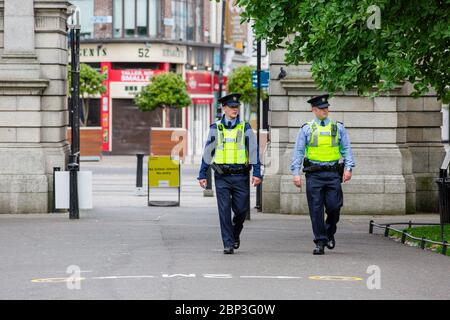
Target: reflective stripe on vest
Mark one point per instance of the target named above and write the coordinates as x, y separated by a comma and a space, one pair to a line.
323, 146
230, 144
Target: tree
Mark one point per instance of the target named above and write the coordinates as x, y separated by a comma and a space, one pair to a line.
91, 84
348, 51
166, 90
240, 81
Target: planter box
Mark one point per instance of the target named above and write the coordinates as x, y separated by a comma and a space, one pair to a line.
90, 142
168, 141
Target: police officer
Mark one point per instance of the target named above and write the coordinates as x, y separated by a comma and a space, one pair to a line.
320, 144
232, 145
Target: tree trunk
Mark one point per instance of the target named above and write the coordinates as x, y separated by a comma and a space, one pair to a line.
85, 111
160, 120
167, 112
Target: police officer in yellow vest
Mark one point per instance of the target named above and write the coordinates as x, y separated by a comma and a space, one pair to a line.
233, 147
320, 145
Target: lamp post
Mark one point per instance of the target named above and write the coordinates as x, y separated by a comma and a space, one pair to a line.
258, 117
74, 157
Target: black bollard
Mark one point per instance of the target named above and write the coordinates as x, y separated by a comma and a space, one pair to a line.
139, 172
74, 212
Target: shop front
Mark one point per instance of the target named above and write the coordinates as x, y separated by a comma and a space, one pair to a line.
128, 67
202, 86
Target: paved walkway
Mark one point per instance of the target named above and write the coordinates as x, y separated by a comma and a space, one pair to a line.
126, 250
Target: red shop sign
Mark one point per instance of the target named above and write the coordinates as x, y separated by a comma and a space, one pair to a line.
199, 82
133, 75
202, 100
216, 83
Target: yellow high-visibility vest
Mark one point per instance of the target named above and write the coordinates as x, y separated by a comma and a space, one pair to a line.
324, 144
230, 147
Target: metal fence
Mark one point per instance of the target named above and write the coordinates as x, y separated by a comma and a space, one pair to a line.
388, 226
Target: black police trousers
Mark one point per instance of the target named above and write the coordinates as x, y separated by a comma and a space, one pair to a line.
323, 189
232, 193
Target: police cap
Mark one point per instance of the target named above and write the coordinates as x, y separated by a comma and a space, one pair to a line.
231, 100
319, 101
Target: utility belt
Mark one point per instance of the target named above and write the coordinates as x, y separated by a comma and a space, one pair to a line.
309, 167
230, 169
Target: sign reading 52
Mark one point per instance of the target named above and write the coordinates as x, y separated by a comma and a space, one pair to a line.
144, 52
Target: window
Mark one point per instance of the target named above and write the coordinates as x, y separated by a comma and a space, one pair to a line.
129, 21
191, 20
136, 18
179, 14
154, 17
93, 119
118, 18
86, 8
187, 20
141, 18
175, 117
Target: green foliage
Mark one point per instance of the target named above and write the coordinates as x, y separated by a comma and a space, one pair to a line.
165, 90
91, 84
91, 81
428, 232
240, 81
412, 44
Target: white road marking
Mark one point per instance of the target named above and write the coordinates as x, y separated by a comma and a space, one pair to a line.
205, 275
271, 277
122, 277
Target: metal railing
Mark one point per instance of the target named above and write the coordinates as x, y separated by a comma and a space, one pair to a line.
388, 226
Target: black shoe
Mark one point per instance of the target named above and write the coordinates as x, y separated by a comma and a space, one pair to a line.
331, 243
319, 249
228, 251
236, 244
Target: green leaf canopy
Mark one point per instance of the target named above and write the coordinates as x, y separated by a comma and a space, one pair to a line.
165, 90
412, 42
240, 81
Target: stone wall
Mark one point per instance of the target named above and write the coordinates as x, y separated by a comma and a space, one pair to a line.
33, 102
396, 141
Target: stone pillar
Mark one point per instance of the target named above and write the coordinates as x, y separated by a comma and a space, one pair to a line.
33, 102
396, 142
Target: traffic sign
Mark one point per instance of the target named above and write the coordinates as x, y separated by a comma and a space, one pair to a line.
264, 79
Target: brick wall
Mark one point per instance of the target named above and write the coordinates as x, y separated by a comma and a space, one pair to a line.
166, 8
103, 8
206, 22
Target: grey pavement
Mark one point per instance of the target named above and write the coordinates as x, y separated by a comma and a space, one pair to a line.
127, 250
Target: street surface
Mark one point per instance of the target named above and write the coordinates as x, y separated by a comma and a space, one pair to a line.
123, 249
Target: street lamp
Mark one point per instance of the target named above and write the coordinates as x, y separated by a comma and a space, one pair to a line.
74, 157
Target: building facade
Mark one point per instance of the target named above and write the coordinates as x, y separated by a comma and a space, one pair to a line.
33, 102
132, 40
396, 142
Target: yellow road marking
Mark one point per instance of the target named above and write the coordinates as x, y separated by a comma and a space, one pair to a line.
56, 280
335, 278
